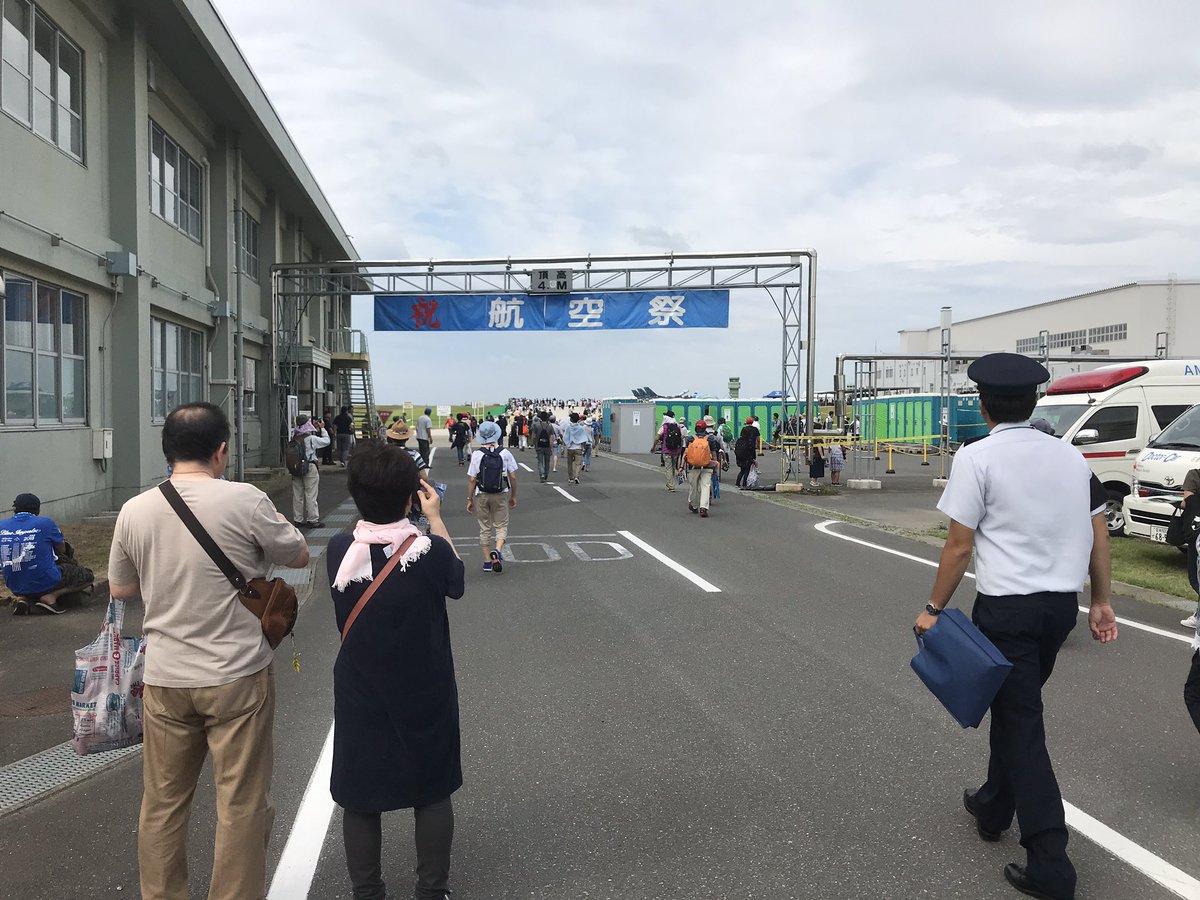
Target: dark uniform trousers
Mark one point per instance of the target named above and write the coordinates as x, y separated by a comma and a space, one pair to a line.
1028, 630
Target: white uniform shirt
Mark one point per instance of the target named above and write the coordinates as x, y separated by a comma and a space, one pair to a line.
1027, 496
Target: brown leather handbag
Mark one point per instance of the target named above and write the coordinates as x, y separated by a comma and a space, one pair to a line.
272, 601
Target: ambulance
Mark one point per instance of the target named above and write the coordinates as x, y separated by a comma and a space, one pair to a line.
1158, 477
1111, 414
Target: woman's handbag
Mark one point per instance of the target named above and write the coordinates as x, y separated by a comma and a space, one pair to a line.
272, 601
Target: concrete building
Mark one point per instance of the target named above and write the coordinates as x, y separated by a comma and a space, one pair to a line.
1143, 319
132, 133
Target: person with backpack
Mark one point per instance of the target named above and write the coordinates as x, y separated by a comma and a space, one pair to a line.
491, 493
543, 444
460, 438
745, 452
670, 442
303, 466
702, 455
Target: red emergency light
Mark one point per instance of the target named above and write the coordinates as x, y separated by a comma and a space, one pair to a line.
1096, 381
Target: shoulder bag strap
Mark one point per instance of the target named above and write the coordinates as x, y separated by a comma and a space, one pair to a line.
204, 539
378, 580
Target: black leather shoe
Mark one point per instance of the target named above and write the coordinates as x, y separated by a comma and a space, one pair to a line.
969, 806
1019, 878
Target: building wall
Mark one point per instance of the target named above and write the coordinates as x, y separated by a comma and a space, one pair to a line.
1141, 311
101, 203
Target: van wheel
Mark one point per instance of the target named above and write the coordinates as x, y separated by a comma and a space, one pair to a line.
1114, 513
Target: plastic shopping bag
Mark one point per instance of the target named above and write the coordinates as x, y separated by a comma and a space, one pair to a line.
752, 477
106, 698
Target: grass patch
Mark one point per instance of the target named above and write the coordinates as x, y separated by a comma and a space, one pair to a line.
91, 543
1156, 566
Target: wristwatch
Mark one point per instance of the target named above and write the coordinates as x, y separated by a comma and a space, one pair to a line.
932, 610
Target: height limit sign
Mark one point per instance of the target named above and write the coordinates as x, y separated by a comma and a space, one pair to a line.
550, 281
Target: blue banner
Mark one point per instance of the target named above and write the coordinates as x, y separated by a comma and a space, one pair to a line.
552, 312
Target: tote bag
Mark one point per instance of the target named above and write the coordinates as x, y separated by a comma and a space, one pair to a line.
106, 698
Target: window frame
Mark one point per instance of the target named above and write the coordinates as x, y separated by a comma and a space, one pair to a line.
59, 107
185, 340
185, 185
1105, 411
37, 353
250, 385
249, 259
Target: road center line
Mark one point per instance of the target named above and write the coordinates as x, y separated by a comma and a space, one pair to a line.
565, 494
298, 864
1149, 629
1137, 856
671, 564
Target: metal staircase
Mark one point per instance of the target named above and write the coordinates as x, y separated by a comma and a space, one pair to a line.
352, 365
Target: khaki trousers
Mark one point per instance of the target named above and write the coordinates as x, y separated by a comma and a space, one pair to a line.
574, 461
699, 487
304, 495
672, 469
492, 512
182, 725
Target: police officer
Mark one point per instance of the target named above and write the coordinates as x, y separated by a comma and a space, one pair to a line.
1029, 505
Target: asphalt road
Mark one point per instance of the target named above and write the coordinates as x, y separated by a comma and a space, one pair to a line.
627, 734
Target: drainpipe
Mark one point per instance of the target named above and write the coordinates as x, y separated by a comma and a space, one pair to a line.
238, 347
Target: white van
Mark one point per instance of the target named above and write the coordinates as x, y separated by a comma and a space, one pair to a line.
1158, 477
1111, 413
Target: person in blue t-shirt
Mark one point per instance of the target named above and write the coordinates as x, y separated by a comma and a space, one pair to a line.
35, 559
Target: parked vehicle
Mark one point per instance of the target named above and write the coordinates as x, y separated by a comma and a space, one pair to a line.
1111, 413
1158, 477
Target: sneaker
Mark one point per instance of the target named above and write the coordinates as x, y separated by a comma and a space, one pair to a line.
20, 607
1189, 622
703, 513
51, 608
497, 562
317, 524
487, 567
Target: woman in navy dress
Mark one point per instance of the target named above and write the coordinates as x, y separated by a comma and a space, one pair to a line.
396, 731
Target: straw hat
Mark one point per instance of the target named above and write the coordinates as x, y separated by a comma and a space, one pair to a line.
399, 432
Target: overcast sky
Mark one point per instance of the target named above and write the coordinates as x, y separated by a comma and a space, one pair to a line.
977, 155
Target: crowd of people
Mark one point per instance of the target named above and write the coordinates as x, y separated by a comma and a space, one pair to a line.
209, 682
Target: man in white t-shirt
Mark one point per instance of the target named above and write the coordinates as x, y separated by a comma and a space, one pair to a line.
491, 493
209, 684
424, 433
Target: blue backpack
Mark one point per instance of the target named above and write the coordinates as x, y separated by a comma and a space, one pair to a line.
491, 471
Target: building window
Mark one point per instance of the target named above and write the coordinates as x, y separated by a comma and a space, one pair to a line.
1029, 345
176, 184
249, 259
249, 385
176, 367
1108, 334
45, 354
41, 76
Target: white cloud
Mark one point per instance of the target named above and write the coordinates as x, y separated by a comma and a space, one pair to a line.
977, 155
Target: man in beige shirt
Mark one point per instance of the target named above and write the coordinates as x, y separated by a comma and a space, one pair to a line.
209, 683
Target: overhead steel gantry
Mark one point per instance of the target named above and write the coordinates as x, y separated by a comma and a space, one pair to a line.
787, 276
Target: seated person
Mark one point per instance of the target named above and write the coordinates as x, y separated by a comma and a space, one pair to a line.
35, 559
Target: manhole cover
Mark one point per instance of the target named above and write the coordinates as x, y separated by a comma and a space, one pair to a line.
46, 702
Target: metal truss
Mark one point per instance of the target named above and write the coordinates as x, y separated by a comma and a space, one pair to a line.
789, 275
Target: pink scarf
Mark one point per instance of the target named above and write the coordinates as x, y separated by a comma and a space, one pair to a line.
356, 564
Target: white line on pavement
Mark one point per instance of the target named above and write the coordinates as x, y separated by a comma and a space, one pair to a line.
1154, 867
530, 537
298, 864
565, 494
1150, 629
671, 564
1139, 857
525, 467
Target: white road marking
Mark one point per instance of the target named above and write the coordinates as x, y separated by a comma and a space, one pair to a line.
1152, 866
552, 555
529, 537
565, 494
1149, 629
576, 547
525, 467
298, 864
671, 564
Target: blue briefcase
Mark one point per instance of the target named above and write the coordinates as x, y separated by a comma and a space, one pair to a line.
960, 666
